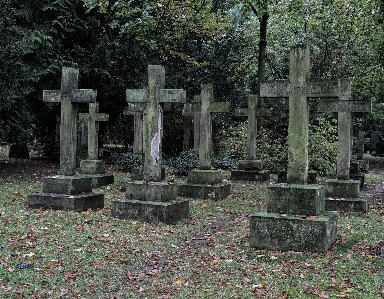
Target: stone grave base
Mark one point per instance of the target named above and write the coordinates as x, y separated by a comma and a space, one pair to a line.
67, 193
347, 205
150, 211
92, 167
250, 175
99, 180
150, 191
272, 231
215, 192
342, 188
77, 203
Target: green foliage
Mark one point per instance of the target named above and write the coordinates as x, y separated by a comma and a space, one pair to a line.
183, 163
126, 161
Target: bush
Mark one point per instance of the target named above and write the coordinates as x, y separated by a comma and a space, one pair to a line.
126, 161
185, 162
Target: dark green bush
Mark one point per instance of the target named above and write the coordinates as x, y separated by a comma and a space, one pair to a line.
183, 163
126, 161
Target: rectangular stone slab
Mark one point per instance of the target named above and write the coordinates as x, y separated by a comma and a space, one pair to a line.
342, 188
150, 191
296, 199
272, 231
150, 211
77, 203
347, 205
70, 185
214, 192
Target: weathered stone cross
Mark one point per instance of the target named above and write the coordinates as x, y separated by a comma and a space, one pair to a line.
137, 110
205, 107
69, 96
190, 110
344, 108
253, 112
93, 118
152, 97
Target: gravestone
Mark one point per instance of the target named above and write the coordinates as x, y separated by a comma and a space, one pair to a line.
343, 193
295, 218
92, 166
151, 199
188, 111
375, 139
68, 191
251, 169
137, 110
205, 182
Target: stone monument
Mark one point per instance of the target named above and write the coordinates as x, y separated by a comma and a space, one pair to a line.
151, 199
92, 166
251, 169
68, 191
205, 182
295, 218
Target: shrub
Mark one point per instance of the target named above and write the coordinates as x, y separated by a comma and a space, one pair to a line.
183, 163
126, 161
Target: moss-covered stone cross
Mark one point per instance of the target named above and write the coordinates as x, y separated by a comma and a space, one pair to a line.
93, 118
152, 97
69, 96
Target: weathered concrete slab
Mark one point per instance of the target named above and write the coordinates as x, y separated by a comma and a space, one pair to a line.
342, 188
347, 205
273, 231
150, 211
215, 192
70, 185
296, 199
77, 203
251, 175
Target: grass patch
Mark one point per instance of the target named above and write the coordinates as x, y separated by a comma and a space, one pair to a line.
57, 254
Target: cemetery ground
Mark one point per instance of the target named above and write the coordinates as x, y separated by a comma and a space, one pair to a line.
59, 254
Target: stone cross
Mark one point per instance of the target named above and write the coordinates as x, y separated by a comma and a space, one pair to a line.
253, 112
206, 107
298, 89
93, 118
152, 97
189, 110
137, 110
344, 108
69, 96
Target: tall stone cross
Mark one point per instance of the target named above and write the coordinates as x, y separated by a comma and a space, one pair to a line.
345, 108
69, 96
137, 110
93, 118
253, 112
298, 89
205, 108
152, 97
190, 111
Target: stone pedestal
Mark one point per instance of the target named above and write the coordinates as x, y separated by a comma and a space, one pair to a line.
295, 220
343, 196
95, 169
150, 202
73, 193
204, 184
250, 170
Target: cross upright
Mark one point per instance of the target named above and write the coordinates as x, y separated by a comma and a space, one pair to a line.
345, 109
69, 96
153, 96
93, 118
205, 108
298, 89
190, 111
137, 110
253, 112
